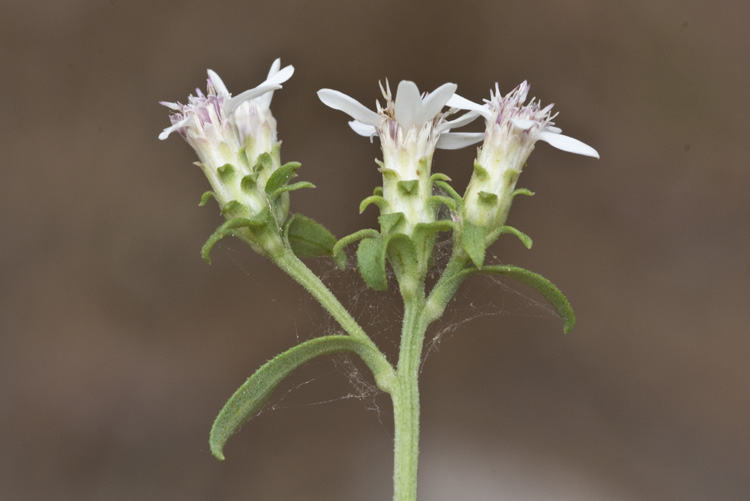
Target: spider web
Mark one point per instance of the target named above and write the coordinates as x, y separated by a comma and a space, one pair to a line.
380, 314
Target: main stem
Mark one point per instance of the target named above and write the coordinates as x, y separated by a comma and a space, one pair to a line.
406, 402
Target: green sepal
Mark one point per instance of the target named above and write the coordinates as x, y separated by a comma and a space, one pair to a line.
544, 287
472, 241
378, 191
206, 197
227, 229
523, 237
263, 162
480, 171
349, 239
435, 201
374, 199
291, 187
281, 176
487, 198
249, 183
233, 206
371, 262
522, 191
407, 188
226, 172
309, 238
250, 397
451, 192
389, 223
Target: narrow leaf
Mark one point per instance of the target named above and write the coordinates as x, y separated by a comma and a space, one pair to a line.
291, 187
206, 197
374, 199
281, 176
308, 238
523, 237
390, 222
371, 262
472, 240
451, 192
249, 398
349, 239
222, 231
545, 288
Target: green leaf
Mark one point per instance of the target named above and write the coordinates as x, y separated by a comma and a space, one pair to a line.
402, 254
292, 187
438, 177
378, 191
349, 239
390, 222
206, 197
251, 396
309, 238
435, 201
452, 193
472, 241
487, 198
249, 183
282, 176
371, 262
226, 229
263, 162
522, 191
545, 288
233, 206
523, 237
374, 199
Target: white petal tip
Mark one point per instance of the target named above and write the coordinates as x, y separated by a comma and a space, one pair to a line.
567, 143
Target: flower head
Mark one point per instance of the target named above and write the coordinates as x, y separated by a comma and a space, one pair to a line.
225, 130
410, 127
512, 129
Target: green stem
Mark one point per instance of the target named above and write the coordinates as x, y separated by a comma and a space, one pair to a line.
406, 402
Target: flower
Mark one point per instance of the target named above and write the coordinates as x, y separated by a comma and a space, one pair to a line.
225, 130
410, 128
512, 129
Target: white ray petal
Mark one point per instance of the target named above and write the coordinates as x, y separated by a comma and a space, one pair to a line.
462, 103
276, 78
435, 101
166, 132
237, 100
340, 101
217, 82
363, 129
523, 123
171, 106
554, 129
274, 68
459, 122
408, 107
456, 140
567, 143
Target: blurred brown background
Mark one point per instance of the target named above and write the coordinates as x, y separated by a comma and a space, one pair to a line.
119, 345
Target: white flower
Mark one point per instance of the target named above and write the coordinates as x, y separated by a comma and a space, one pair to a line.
512, 130
410, 128
229, 130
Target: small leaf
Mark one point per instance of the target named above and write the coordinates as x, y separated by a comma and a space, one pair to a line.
378, 191
233, 206
408, 187
545, 288
251, 396
224, 230
374, 199
282, 176
292, 187
438, 177
435, 201
402, 254
451, 192
523, 237
522, 191
472, 241
309, 238
371, 262
390, 222
206, 197
349, 239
